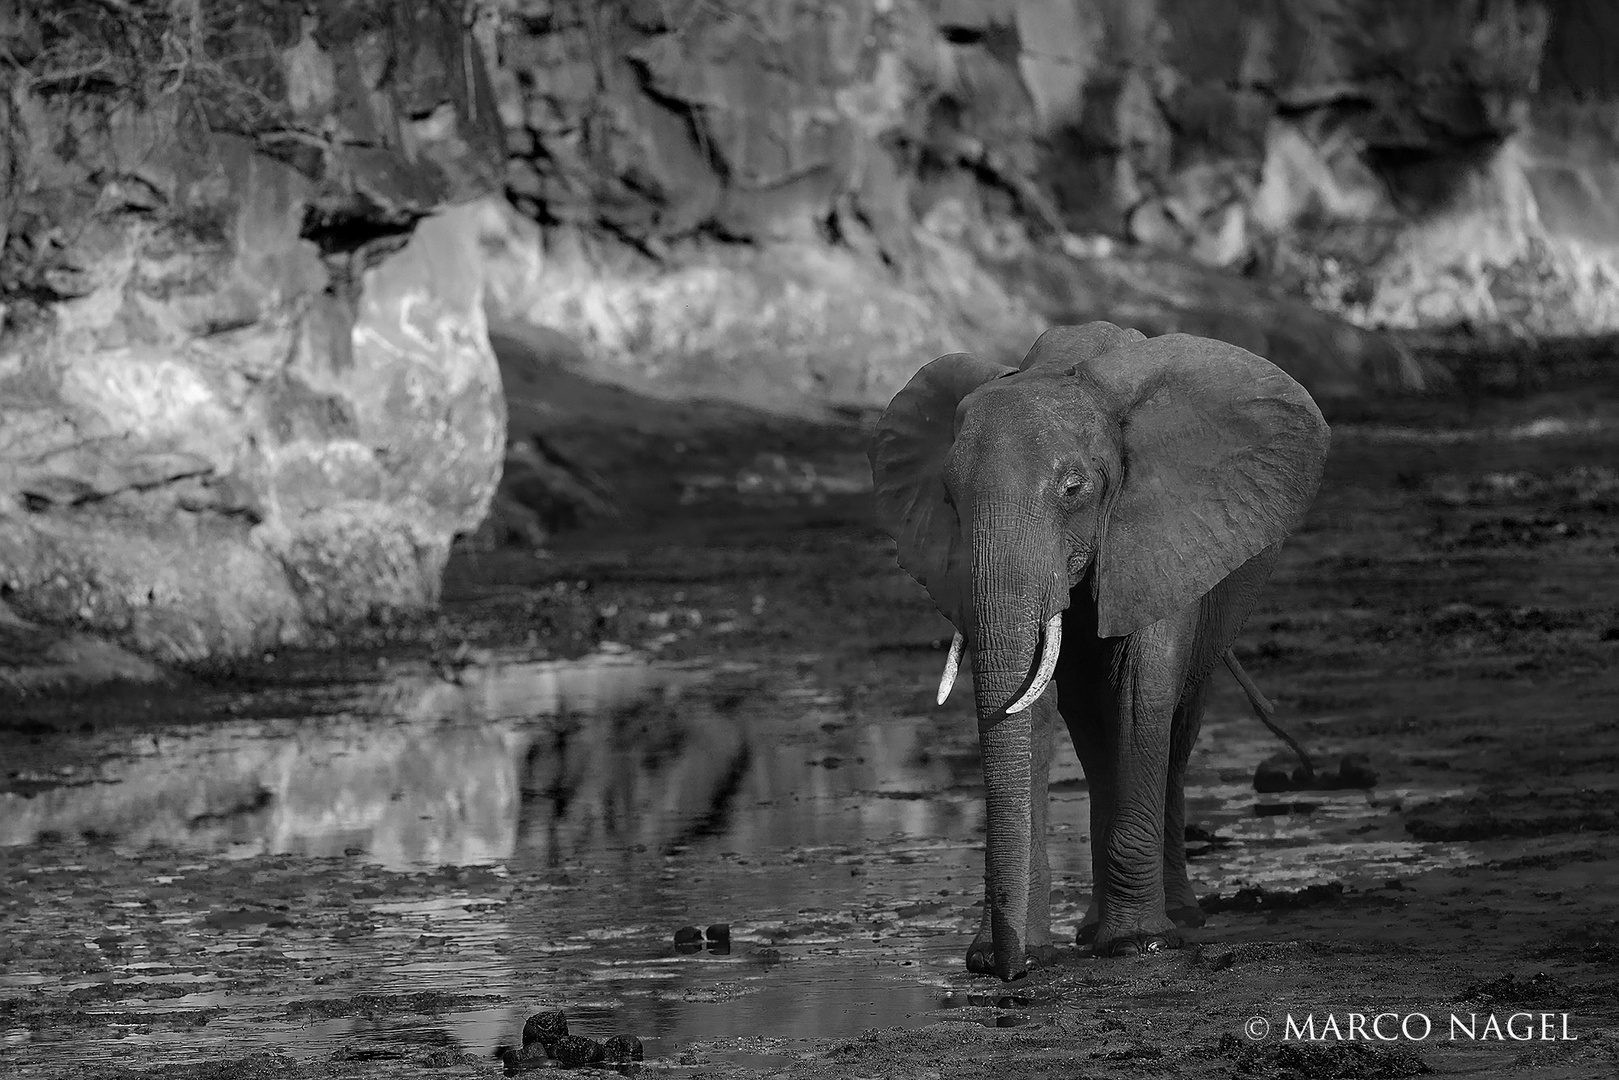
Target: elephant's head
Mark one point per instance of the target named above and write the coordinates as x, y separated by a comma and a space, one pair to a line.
1150, 468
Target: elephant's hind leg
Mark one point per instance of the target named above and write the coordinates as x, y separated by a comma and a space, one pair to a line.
1180, 902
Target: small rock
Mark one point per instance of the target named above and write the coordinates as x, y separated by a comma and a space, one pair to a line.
688, 939
1355, 771
1276, 773
622, 1048
719, 938
573, 1050
544, 1028
531, 1056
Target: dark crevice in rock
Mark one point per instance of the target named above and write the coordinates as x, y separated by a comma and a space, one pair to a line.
347, 230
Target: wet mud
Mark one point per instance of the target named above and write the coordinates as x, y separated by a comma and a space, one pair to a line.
379, 857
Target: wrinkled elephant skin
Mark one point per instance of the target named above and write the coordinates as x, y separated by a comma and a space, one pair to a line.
1097, 524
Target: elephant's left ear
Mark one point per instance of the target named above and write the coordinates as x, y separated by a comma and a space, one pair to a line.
908, 456
1223, 453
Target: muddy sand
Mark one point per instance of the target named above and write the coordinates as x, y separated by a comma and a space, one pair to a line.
376, 858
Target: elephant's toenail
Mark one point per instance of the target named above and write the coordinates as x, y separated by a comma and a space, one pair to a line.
1126, 948
1156, 944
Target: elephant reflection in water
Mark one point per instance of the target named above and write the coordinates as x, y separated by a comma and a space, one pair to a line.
647, 776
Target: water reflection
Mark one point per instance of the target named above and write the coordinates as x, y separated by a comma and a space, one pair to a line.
614, 801
617, 801
418, 769
558, 760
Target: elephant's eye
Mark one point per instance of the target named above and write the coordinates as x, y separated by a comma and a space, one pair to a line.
1073, 487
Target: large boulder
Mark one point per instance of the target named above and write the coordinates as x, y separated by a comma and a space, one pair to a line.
245, 384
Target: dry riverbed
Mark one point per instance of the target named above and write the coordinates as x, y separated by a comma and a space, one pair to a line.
376, 858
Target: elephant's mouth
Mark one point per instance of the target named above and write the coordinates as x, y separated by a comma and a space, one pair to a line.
1040, 678
1079, 563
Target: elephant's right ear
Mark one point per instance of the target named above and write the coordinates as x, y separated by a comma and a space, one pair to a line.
908, 456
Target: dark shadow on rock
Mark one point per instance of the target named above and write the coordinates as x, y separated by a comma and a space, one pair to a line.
36, 659
1162, 294
585, 448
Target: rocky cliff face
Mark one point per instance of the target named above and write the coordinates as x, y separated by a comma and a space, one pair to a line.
245, 384
1396, 163
1516, 231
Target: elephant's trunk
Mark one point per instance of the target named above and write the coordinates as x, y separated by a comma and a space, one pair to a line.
1010, 587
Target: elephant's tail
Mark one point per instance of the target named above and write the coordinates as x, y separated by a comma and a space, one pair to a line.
1267, 714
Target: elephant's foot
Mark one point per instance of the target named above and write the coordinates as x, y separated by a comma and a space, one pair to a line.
1153, 935
1089, 924
1137, 944
1180, 899
981, 957
1184, 917
1189, 915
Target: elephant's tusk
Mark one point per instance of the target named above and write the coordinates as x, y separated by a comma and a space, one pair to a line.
1048, 664
952, 664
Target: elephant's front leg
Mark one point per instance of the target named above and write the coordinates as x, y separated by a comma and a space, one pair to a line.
1149, 672
1043, 740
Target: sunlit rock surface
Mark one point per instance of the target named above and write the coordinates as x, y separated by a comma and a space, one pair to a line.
1525, 235
245, 383
1382, 163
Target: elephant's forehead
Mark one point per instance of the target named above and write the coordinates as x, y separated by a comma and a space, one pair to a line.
1050, 416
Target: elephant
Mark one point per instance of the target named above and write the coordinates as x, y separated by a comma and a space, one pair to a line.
1097, 524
